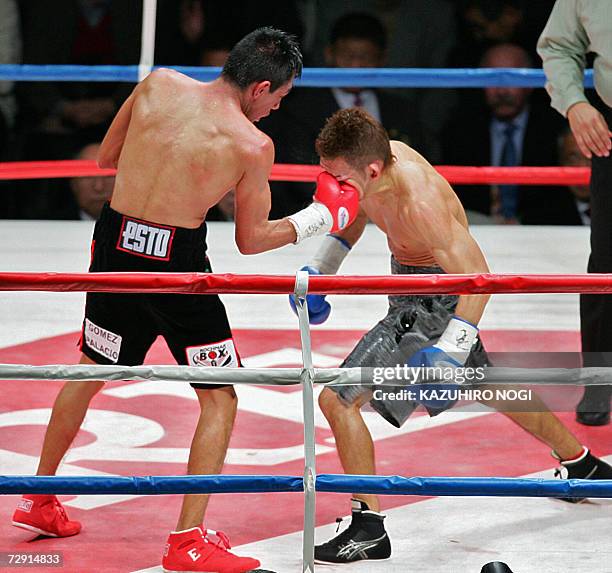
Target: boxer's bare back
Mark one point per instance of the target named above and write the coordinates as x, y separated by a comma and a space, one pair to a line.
179, 145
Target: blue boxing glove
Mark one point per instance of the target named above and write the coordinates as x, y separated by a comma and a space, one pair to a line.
318, 307
449, 352
452, 348
326, 261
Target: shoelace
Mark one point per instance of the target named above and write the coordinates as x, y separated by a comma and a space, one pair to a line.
223, 544
60, 508
342, 537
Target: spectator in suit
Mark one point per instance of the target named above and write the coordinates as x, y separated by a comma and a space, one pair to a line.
10, 53
484, 24
358, 40
93, 32
509, 127
420, 34
183, 26
75, 198
57, 116
580, 195
567, 205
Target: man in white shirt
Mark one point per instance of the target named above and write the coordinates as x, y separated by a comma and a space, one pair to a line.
575, 28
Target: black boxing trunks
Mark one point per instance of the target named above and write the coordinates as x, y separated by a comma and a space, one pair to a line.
412, 321
120, 328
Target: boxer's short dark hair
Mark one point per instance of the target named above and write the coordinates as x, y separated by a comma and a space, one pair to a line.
355, 136
263, 55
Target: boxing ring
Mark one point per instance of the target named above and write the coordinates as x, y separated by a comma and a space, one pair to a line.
224, 283
351, 286
323, 483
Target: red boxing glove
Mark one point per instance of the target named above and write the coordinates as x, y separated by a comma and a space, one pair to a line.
340, 197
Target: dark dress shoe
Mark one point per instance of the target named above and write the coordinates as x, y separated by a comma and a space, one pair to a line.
594, 408
593, 418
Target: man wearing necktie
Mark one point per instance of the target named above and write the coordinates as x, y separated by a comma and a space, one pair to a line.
357, 41
510, 112
509, 193
508, 127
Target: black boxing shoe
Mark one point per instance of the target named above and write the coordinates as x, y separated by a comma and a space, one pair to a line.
587, 466
365, 538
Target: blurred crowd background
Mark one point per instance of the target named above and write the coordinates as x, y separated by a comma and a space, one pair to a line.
493, 126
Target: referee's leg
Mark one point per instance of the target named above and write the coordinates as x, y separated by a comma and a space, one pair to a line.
596, 310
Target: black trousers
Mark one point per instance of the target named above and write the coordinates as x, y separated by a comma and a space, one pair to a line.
596, 310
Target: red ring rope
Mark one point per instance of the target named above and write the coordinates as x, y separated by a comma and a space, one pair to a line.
276, 284
287, 172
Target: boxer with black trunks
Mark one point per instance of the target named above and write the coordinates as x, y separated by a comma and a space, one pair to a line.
427, 232
120, 328
179, 145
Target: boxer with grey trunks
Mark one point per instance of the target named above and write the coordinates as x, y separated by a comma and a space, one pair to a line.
427, 232
412, 322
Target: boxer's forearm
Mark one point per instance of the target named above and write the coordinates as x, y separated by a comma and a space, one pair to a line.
463, 256
471, 307
266, 236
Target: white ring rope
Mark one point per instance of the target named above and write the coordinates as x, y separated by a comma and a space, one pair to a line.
592, 376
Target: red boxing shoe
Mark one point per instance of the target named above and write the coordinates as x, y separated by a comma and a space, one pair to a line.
45, 515
193, 551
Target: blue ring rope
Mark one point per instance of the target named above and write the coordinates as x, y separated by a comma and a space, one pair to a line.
466, 486
312, 77
149, 485
335, 483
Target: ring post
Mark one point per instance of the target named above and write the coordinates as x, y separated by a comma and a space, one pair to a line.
307, 379
147, 40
